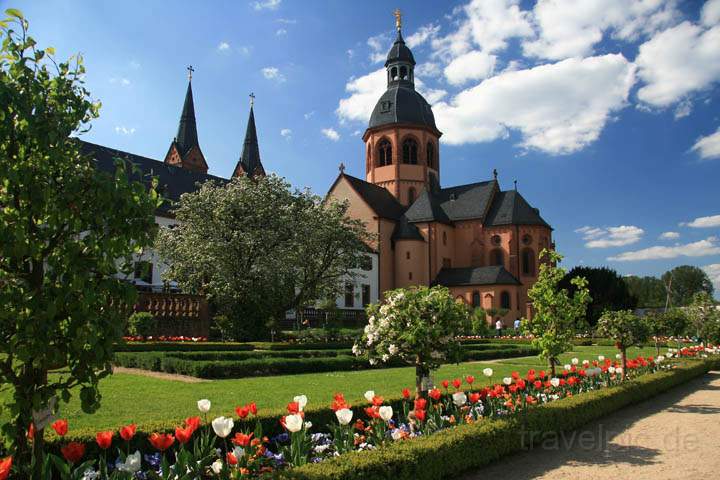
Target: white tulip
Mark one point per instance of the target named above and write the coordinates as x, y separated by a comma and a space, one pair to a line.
507, 380
132, 463
555, 382
611, 370
488, 372
659, 359
586, 363
293, 423
386, 412
575, 361
459, 399
204, 405
567, 366
344, 416
619, 370
301, 401
307, 425
601, 358
223, 426
618, 356
217, 466
369, 395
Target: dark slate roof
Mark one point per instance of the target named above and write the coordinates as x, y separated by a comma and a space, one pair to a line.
186, 137
250, 156
379, 199
402, 104
405, 230
510, 208
172, 181
454, 203
399, 52
496, 275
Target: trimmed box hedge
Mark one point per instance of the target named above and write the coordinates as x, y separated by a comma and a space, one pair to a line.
182, 347
466, 447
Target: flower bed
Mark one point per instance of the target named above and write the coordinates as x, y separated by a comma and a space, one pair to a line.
457, 427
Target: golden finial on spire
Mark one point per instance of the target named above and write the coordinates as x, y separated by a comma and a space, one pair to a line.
398, 18
190, 70
252, 100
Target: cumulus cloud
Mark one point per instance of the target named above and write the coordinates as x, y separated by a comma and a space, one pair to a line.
558, 108
701, 248
677, 62
713, 271
703, 222
379, 46
710, 13
273, 73
422, 35
596, 237
331, 134
223, 47
474, 65
123, 130
309, 115
266, 4
281, 32
708, 147
669, 235
286, 133
120, 81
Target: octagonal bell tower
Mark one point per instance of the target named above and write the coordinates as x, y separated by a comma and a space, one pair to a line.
402, 149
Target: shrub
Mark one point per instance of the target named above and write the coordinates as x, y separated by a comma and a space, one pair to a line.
141, 324
182, 347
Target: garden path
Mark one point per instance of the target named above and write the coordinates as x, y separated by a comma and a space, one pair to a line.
674, 435
161, 375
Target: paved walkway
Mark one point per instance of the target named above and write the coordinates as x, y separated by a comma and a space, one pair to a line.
672, 436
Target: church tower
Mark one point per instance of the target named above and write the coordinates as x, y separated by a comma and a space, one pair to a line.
184, 151
402, 141
249, 163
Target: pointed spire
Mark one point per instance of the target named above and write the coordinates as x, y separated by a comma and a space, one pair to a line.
249, 162
187, 129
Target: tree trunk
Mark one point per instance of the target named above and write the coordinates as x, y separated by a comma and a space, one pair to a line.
552, 366
623, 353
420, 373
657, 347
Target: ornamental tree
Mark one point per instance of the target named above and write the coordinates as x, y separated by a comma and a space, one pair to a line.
66, 230
258, 248
418, 325
704, 315
556, 311
626, 328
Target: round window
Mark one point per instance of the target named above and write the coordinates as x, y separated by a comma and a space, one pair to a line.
495, 239
527, 239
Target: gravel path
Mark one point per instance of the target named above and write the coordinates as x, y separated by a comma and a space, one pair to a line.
675, 435
160, 375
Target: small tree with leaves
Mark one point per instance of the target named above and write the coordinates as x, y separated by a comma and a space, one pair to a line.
626, 328
418, 325
66, 231
704, 317
556, 311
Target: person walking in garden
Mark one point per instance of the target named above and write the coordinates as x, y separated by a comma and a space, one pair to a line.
516, 326
498, 327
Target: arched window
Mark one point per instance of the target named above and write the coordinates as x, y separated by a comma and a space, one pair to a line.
496, 257
528, 262
403, 73
411, 195
476, 299
505, 300
430, 151
393, 73
384, 153
410, 151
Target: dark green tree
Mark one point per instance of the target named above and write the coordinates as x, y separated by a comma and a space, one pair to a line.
649, 291
66, 231
607, 289
684, 282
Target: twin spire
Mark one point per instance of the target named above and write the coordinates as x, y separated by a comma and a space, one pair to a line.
185, 152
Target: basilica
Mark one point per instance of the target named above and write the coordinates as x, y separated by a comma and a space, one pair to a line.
480, 241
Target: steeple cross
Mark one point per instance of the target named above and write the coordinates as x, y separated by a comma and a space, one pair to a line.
341, 167
398, 18
190, 70
252, 99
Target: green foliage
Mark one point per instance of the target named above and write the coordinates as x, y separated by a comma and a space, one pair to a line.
684, 282
66, 230
451, 452
478, 322
624, 327
649, 291
181, 346
704, 317
607, 289
257, 248
556, 311
142, 324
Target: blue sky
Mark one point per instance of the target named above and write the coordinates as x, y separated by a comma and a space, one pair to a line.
606, 112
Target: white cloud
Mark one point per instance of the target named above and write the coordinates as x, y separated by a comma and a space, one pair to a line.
596, 237
122, 130
135, 65
266, 4
669, 235
703, 222
558, 108
331, 133
287, 21
428, 69
286, 133
474, 65
245, 49
379, 46
350, 52
708, 147
422, 35
677, 62
683, 109
701, 248
281, 32
572, 28
713, 271
309, 115
120, 81
710, 13
223, 47
273, 73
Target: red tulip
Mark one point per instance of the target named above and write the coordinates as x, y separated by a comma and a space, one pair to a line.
73, 451
372, 412
242, 412
435, 394
161, 441
420, 415
31, 432
5, 466
253, 408
183, 435
293, 408
104, 439
232, 459
420, 404
406, 393
515, 375
445, 384
241, 439
537, 384
60, 427
377, 400
457, 382
193, 422
128, 432
469, 379
474, 397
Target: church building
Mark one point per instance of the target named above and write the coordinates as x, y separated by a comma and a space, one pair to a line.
480, 241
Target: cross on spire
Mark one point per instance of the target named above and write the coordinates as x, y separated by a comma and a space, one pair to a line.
495, 173
398, 18
341, 167
190, 70
252, 99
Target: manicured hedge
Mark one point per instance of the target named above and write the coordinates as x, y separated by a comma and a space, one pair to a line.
219, 356
302, 346
454, 451
182, 347
492, 354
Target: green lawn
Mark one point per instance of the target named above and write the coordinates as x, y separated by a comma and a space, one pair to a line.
132, 398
